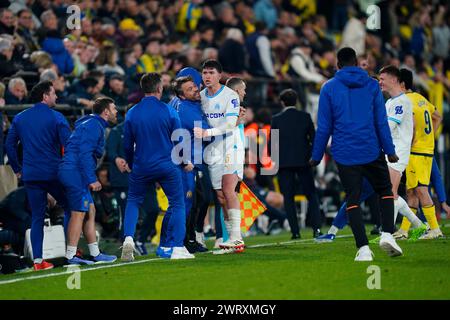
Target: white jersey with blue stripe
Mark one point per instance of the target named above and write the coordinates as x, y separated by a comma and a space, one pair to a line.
400, 118
222, 111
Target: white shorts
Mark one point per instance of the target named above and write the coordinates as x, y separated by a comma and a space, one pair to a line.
233, 163
401, 164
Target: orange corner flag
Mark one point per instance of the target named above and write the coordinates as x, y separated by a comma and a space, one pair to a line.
251, 207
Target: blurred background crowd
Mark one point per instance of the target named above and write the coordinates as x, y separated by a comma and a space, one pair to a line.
272, 44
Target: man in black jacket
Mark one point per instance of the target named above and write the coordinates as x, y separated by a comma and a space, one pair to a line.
296, 135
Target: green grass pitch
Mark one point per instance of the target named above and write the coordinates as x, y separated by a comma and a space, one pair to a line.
273, 267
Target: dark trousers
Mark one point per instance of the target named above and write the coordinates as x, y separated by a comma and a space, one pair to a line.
37, 198
287, 179
377, 174
149, 211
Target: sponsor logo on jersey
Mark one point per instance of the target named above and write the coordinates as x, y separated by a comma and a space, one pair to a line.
235, 103
421, 103
398, 110
214, 115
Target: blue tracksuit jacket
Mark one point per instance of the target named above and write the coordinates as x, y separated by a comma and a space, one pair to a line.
352, 111
85, 146
42, 132
191, 112
149, 125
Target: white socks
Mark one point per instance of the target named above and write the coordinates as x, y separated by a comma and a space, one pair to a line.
93, 249
128, 239
39, 260
71, 252
333, 230
234, 216
402, 207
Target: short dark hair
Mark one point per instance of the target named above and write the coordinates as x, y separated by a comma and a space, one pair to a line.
101, 104
391, 70
38, 91
289, 97
212, 64
150, 82
97, 74
233, 82
346, 57
406, 77
178, 83
89, 82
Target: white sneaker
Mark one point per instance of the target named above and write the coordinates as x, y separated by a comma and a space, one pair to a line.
128, 251
217, 243
181, 253
400, 234
364, 254
388, 245
200, 238
432, 234
238, 245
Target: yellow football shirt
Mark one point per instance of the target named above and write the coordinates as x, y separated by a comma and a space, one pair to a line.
423, 124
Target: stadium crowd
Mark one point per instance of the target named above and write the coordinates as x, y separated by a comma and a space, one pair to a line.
271, 44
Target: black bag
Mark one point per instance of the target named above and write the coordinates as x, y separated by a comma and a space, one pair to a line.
9, 263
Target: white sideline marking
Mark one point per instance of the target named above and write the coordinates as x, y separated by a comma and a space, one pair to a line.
68, 272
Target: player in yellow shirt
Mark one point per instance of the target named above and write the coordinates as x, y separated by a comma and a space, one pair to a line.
418, 172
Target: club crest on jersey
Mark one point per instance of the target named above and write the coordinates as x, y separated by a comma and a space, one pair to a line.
217, 106
398, 110
235, 103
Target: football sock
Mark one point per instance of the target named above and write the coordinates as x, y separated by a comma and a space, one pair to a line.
407, 212
39, 260
93, 249
70, 252
430, 214
235, 218
405, 222
333, 230
228, 226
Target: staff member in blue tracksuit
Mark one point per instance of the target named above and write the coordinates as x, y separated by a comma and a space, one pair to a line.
190, 112
43, 132
118, 177
149, 126
352, 111
77, 174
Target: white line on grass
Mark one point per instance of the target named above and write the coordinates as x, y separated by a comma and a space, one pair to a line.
68, 272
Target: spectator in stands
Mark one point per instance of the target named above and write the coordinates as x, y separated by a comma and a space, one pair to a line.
7, 19
7, 68
354, 34
266, 11
49, 23
85, 94
128, 33
303, 65
16, 94
107, 61
227, 19
207, 39
25, 31
151, 60
441, 34
260, 55
232, 54
116, 90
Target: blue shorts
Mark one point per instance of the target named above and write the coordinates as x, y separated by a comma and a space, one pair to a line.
77, 193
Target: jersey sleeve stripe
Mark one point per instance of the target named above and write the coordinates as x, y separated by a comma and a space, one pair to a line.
232, 114
395, 120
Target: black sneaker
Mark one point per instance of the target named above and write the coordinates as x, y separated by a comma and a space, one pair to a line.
376, 230
295, 236
317, 233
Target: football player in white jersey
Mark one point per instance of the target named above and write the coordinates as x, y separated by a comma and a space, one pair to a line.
401, 123
225, 154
